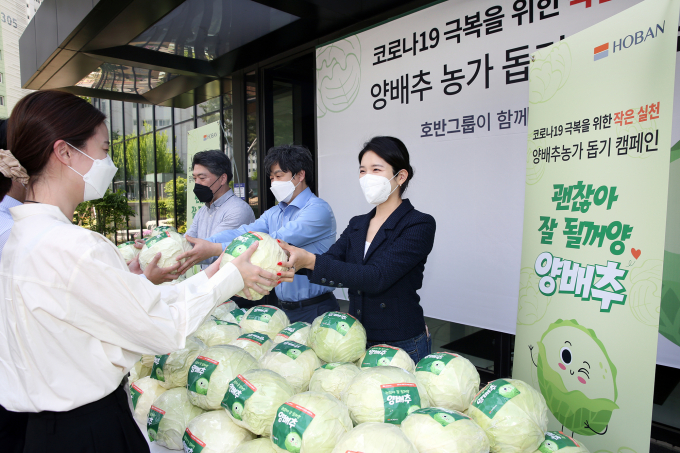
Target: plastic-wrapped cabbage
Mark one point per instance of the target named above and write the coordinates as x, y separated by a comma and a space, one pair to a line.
333, 378
161, 229
375, 438
558, 441
310, 422
439, 430
214, 432
267, 255
128, 250
234, 316
297, 332
212, 371
386, 355
451, 381
262, 445
215, 332
384, 394
143, 393
142, 368
513, 415
253, 399
223, 310
264, 319
256, 344
294, 361
171, 245
169, 416
337, 337
171, 370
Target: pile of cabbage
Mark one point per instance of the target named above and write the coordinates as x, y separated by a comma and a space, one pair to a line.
169, 243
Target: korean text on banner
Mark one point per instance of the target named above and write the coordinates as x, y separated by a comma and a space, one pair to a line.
594, 224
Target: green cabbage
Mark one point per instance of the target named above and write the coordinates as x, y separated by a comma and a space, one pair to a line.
169, 416
439, 430
513, 415
216, 332
223, 310
386, 355
375, 437
256, 344
267, 255
128, 250
161, 229
253, 399
170, 244
384, 394
558, 441
297, 332
212, 371
143, 393
333, 378
172, 369
264, 319
262, 445
294, 361
142, 368
337, 337
214, 432
310, 422
451, 381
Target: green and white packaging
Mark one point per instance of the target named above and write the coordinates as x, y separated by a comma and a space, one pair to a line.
264, 319
256, 344
214, 432
297, 332
215, 332
143, 393
386, 355
172, 370
451, 381
169, 416
337, 337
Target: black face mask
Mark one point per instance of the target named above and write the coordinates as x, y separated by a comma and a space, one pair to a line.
204, 193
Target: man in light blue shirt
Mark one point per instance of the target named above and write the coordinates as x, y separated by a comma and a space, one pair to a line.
300, 218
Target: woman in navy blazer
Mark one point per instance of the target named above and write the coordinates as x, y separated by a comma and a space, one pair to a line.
380, 257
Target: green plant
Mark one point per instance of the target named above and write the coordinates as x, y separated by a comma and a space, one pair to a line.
102, 215
181, 200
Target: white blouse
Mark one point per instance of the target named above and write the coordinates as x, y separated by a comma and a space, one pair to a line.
74, 319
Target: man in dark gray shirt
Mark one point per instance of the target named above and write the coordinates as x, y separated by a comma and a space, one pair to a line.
222, 210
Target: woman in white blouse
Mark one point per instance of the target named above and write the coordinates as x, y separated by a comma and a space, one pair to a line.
73, 318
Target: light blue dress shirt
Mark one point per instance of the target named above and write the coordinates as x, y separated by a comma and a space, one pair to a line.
307, 222
6, 221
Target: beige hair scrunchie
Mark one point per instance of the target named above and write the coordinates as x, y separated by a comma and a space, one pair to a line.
11, 168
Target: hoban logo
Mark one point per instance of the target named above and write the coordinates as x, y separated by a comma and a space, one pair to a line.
209, 136
639, 37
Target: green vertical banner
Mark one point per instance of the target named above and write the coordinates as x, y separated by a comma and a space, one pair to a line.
596, 194
204, 138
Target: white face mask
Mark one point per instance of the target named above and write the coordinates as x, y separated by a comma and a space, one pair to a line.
98, 178
377, 188
283, 190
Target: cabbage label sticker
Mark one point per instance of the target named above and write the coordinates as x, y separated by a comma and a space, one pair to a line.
435, 363
157, 369
334, 365
290, 348
153, 420
199, 374
556, 441
255, 337
125, 244
379, 356
219, 322
289, 426
241, 243
156, 239
240, 389
399, 401
263, 313
191, 443
494, 396
338, 321
291, 329
238, 314
135, 393
164, 228
442, 416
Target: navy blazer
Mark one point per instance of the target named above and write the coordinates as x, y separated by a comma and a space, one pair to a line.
382, 285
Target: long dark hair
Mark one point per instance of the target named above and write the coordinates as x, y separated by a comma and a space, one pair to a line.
394, 152
39, 120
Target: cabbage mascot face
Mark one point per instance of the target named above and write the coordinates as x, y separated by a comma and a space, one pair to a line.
508, 391
152, 434
437, 367
384, 361
159, 374
444, 419
293, 353
293, 442
238, 250
548, 446
238, 318
202, 386
342, 327
237, 410
413, 409
266, 318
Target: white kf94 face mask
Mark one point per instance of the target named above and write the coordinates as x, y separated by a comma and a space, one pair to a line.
377, 188
98, 178
283, 190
